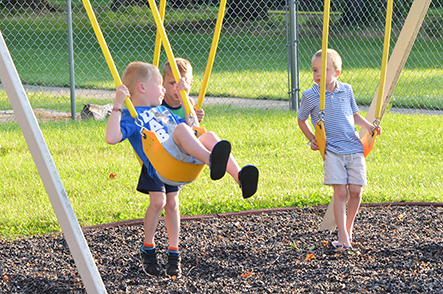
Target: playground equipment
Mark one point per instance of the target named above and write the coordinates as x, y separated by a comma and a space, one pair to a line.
320, 135
395, 65
48, 173
368, 139
167, 167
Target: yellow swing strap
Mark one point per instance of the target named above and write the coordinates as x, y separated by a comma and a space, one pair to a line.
107, 54
215, 40
320, 135
168, 51
368, 139
158, 42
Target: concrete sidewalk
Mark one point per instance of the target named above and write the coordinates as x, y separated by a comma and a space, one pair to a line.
209, 101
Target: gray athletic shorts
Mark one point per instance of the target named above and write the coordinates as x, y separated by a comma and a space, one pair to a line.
175, 152
344, 169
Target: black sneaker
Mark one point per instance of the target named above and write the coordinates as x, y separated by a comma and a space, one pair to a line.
248, 177
218, 160
149, 262
173, 267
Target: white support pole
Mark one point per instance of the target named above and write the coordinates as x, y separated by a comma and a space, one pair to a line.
48, 173
396, 63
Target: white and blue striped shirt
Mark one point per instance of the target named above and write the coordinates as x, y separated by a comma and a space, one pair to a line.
340, 106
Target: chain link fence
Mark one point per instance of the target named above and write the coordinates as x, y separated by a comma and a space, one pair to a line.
357, 32
252, 63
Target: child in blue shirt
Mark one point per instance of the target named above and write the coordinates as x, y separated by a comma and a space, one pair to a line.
344, 166
142, 83
173, 102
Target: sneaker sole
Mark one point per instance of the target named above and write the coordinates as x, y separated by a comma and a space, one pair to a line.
219, 159
248, 180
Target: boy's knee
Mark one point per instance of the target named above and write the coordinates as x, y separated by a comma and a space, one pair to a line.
171, 205
355, 191
211, 134
158, 203
209, 137
181, 127
340, 192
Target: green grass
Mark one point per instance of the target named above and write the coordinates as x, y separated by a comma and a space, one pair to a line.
405, 165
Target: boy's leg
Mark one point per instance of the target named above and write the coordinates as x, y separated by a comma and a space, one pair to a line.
156, 205
216, 158
148, 250
340, 196
172, 220
185, 139
246, 177
354, 201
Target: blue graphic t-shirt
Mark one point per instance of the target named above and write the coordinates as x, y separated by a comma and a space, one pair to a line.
159, 120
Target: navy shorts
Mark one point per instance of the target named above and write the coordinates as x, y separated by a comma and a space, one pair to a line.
146, 183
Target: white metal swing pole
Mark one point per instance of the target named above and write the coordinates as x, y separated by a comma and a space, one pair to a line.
48, 173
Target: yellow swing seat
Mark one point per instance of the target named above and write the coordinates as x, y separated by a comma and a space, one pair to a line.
169, 169
320, 137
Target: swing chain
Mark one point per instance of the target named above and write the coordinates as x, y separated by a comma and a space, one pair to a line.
139, 123
376, 124
321, 116
191, 120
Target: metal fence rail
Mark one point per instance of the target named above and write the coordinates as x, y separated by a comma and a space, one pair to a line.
252, 63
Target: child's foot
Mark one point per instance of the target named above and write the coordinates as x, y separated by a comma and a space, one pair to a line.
248, 177
149, 262
173, 267
335, 243
219, 159
342, 248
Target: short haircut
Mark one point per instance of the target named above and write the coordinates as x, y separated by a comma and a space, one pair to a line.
184, 67
333, 55
137, 72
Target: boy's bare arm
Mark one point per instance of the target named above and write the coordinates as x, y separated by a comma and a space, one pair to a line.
306, 129
113, 132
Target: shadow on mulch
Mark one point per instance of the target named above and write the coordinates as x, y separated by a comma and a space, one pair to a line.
399, 250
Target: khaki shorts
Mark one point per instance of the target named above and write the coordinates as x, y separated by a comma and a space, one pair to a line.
344, 169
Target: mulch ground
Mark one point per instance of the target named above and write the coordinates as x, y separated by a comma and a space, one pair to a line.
399, 248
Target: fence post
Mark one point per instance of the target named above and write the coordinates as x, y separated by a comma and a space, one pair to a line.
71, 59
293, 55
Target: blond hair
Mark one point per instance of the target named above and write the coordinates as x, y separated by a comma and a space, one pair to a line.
137, 72
333, 55
184, 67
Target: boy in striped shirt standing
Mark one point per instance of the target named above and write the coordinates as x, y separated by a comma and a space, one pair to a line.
344, 166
